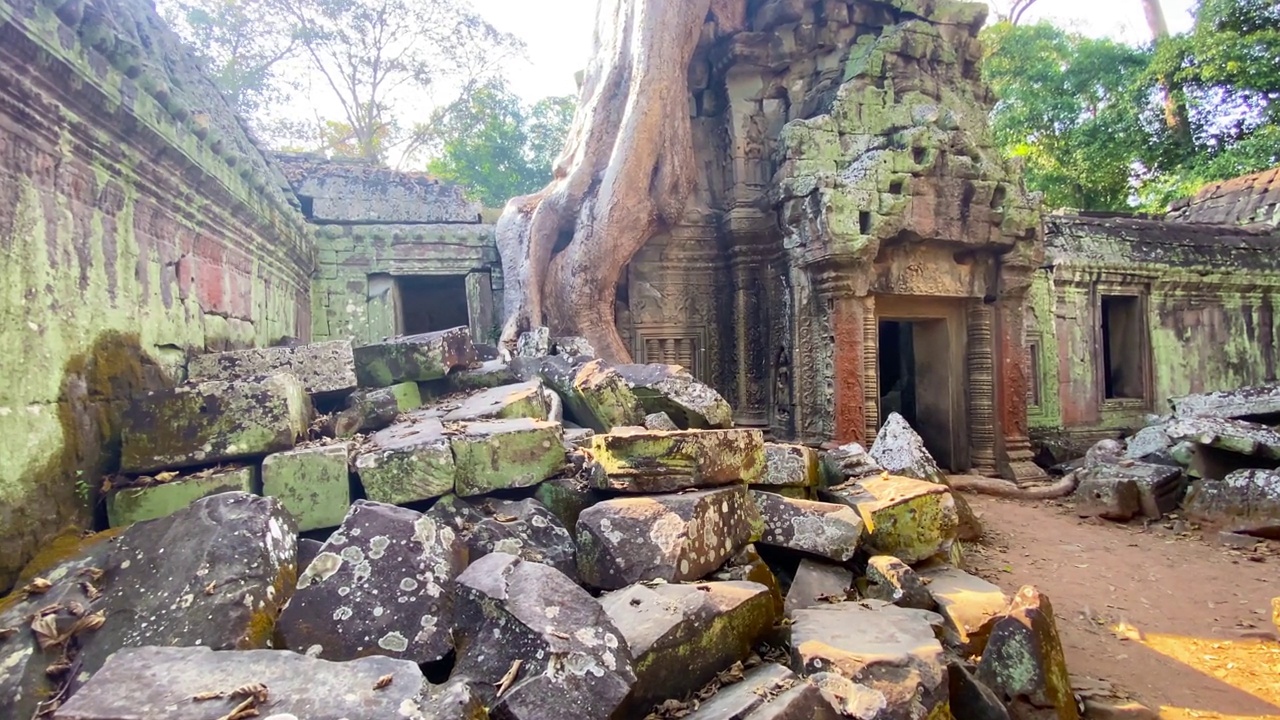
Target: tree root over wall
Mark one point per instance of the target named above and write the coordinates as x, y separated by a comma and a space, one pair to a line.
1006, 489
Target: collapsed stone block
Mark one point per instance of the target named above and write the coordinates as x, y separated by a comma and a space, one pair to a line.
1101, 493
381, 585
663, 537
831, 530
1244, 501
970, 699
372, 410
570, 661
1247, 403
160, 682
909, 519
647, 461
504, 454
747, 565
594, 394
456, 700
847, 462
789, 466
681, 636
407, 462
520, 400
816, 583
900, 450
566, 498
523, 528
660, 421
326, 367
967, 602
535, 343
213, 422
128, 505
1235, 436
673, 390
1024, 660
891, 580
767, 692
488, 374
313, 483
414, 358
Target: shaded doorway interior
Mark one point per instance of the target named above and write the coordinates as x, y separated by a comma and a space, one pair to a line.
431, 302
915, 364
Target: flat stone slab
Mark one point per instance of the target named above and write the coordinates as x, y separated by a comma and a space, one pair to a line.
594, 394
681, 636
326, 367
373, 410
160, 682
767, 692
523, 528
663, 537
1243, 501
909, 519
1235, 436
415, 358
383, 584
213, 422
407, 462
830, 530
573, 663
789, 466
1024, 657
817, 583
485, 375
313, 483
967, 602
747, 565
504, 454
891, 580
129, 505
650, 461
889, 659
1242, 403
520, 400
673, 390
1149, 441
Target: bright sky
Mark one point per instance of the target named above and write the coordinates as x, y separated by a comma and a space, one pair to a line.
558, 32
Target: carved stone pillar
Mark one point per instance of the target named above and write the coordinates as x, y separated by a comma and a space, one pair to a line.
1015, 457
480, 307
850, 350
870, 368
981, 385
749, 257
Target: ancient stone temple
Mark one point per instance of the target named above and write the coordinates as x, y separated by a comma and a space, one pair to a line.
866, 246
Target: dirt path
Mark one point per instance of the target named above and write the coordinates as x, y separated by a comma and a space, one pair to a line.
1170, 618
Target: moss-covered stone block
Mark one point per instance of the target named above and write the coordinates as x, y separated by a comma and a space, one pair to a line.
313, 484
520, 400
648, 461
407, 462
673, 390
327, 367
1024, 657
594, 394
489, 374
428, 356
213, 422
376, 409
127, 506
503, 454
909, 519
566, 498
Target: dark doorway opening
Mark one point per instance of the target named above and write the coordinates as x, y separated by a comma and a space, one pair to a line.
916, 381
432, 302
1122, 347
897, 370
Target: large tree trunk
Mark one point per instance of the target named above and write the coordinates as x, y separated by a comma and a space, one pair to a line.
624, 176
1175, 110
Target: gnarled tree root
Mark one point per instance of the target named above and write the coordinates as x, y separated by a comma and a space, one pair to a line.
1006, 489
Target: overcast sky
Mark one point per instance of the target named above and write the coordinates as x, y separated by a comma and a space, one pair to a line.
558, 32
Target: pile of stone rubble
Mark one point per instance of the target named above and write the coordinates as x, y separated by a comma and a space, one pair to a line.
1215, 456
416, 529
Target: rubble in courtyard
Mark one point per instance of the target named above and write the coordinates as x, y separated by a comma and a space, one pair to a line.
554, 538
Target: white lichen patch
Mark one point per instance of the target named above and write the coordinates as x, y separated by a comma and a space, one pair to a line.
393, 641
320, 569
378, 546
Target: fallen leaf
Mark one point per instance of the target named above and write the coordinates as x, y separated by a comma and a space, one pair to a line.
382, 682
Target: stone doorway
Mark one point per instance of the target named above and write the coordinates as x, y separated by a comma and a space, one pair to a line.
427, 303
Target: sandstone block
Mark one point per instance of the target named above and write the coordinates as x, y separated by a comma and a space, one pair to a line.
213, 422
1248, 403
1024, 657
313, 483
647, 461
767, 692
535, 343
1236, 436
1103, 494
372, 410
594, 394
747, 565
891, 580
816, 583
414, 357
383, 584
847, 462
126, 506
909, 519
1243, 501
970, 699
488, 374
326, 367
523, 528
790, 466
968, 603
901, 451
831, 530
566, 498
504, 454
456, 700
407, 462
673, 390
520, 400
663, 537
660, 421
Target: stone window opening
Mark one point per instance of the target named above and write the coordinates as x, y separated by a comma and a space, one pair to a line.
1123, 331
429, 303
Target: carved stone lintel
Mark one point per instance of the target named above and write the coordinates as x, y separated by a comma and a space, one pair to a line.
981, 386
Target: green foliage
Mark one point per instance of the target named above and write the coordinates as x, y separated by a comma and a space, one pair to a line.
490, 143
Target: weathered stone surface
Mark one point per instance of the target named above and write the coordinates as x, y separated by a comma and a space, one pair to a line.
594, 394
372, 410
1243, 501
1262, 401
673, 390
213, 422
1147, 442
523, 528
313, 483
968, 603
129, 505
663, 537
327, 367
159, 682
1103, 452
909, 519
889, 655
308, 549
1160, 488
535, 343
566, 498
1235, 436
574, 663
660, 421
1024, 658
414, 357
407, 462
488, 374
747, 565
682, 635
359, 194
891, 580
901, 451
831, 530
1103, 494
521, 400
215, 574
456, 700
848, 462
382, 585
970, 699
790, 466
767, 692
817, 583
502, 454
647, 461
